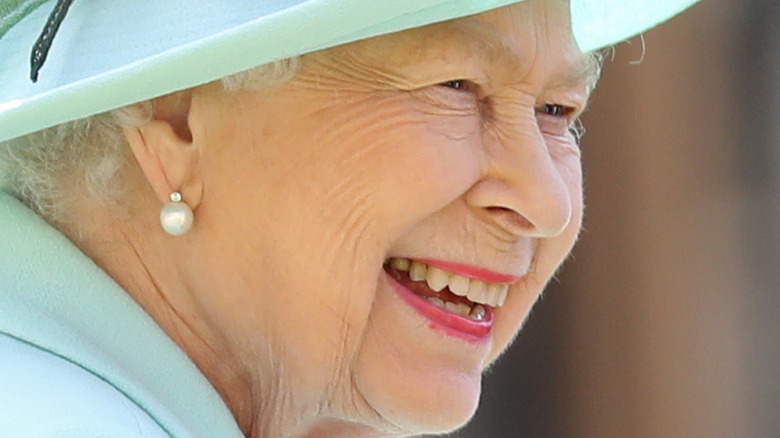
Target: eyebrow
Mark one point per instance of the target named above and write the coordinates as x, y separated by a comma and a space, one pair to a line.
585, 69
578, 69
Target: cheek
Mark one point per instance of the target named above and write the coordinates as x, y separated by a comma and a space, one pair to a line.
565, 154
552, 252
550, 255
329, 190
403, 158
569, 165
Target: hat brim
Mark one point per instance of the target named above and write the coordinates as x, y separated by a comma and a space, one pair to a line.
112, 53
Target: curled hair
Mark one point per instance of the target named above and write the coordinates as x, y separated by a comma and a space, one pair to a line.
44, 169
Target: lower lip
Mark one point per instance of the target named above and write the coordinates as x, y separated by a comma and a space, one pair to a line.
442, 320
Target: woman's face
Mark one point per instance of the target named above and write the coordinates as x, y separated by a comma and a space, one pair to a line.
447, 145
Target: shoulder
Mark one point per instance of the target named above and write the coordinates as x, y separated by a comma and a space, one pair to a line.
45, 396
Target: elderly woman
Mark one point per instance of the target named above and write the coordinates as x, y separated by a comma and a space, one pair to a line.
335, 242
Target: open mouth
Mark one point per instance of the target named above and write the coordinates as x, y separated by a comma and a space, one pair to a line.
469, 300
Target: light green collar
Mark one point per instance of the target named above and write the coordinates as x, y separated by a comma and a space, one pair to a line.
56, 298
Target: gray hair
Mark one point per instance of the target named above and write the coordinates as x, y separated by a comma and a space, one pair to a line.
43, 168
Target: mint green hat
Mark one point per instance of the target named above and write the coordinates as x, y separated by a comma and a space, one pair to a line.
111, 53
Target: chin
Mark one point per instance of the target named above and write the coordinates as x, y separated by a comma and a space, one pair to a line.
417, 400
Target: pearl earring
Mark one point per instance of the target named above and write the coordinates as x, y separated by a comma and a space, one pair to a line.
176, 217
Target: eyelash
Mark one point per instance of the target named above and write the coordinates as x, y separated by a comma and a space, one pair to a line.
555, 110
458, 84
551, 109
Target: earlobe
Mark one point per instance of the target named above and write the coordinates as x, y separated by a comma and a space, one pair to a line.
166, 152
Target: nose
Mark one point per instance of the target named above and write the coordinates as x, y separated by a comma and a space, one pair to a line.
521, 189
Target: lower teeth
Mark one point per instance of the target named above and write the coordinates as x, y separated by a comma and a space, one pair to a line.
437, 301
477, 313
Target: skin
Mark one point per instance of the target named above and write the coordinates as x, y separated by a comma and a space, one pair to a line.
301, 192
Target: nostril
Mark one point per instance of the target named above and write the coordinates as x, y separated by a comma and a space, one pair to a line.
510, 219
536, 206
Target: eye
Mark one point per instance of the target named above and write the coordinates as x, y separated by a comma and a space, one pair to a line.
555, 110
458, 84
555, 119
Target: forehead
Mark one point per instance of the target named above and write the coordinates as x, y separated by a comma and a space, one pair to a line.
527, 36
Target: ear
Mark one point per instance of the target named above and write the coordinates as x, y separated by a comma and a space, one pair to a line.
165, 150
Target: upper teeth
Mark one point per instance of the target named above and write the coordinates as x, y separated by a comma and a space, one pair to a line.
491, 294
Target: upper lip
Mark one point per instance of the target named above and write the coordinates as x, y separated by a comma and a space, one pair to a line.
471, 271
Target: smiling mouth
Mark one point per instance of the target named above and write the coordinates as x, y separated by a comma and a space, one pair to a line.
466, 297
